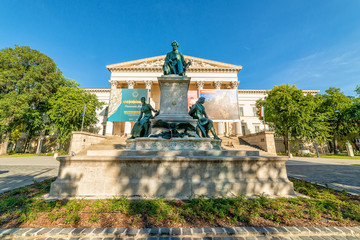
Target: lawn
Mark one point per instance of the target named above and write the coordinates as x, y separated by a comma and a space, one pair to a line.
323, 207
341, 156
16, 155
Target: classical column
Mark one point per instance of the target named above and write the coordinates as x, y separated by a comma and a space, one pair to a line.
220, 129
234, 84
200, 84
114, 102
109, 128
217, 84
238, 128
148, 84
131, 84
127, 128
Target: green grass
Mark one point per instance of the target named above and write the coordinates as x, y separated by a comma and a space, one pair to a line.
23, 205
340, 156
16, 155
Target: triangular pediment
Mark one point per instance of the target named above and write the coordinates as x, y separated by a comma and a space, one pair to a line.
158, 62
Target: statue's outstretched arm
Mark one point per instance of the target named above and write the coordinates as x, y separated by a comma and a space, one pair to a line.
152, 109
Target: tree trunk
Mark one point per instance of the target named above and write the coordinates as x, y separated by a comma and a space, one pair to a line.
336, 144
286, 143
330, 147
316, 149
38, 149
5, 144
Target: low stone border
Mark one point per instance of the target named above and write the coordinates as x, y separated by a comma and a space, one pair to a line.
217, 233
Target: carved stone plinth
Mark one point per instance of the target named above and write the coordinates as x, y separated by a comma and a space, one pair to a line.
174, 99
170, 174
186, 143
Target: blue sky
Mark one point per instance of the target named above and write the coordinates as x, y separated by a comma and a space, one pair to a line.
313, 44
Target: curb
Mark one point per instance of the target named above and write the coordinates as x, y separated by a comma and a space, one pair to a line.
208, 233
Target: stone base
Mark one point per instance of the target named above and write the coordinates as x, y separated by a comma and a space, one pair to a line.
170, 174
186, 143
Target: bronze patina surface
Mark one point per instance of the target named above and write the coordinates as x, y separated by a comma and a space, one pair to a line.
175, 62
197, 111
142, 126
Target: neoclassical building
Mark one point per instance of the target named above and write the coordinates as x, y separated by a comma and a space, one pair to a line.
205, 74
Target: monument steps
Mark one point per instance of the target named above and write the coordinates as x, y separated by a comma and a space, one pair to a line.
150, 158
171, 153
232, 143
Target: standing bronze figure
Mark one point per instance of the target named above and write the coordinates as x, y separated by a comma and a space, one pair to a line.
197, 111
142, 126
175, 62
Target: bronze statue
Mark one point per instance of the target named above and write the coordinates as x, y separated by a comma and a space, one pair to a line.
175, 62
171, 129
142, 126
197, 111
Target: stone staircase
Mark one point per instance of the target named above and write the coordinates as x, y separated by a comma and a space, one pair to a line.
110, 143
232, 143
118, 143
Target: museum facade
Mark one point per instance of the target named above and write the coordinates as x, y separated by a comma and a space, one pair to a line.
208, 78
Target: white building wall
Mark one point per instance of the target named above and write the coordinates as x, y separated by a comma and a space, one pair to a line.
103, 95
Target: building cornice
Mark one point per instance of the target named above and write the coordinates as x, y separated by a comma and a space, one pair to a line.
154, 64
265, 91
93, 90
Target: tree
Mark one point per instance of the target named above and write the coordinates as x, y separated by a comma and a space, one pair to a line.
284, 112
335, 107
27, 79
30, 87
66, 108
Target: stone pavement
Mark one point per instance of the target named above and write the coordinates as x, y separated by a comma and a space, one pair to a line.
338, 174
207, 233
22, 171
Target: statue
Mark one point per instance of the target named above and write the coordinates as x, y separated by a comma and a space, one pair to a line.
175, 62
171, 129
142, 126
197, 111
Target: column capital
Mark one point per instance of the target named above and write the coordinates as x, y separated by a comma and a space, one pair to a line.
113, 84
130, 83
217, 84
200, 84
148, 84
234, 84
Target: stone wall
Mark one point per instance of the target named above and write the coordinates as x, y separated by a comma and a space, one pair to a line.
82, 140
265, 140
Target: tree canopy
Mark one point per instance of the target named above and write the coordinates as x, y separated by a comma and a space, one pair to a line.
29, 80
332, 116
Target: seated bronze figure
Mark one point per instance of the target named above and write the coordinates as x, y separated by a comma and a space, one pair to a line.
197, 111
142, 126
175, 62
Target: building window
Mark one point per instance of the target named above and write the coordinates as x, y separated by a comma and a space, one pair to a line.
243, 130
254, 112
241, 111
257, 129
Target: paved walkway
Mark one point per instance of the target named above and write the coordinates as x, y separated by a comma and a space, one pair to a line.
218, 233
338, 174
22, 171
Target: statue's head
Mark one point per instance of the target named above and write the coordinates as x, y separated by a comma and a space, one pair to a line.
201, 100
143, 100
175, 45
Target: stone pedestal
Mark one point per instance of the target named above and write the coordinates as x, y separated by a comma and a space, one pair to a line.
170, 174
174, 99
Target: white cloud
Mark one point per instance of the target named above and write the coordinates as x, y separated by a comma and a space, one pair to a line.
336, 67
